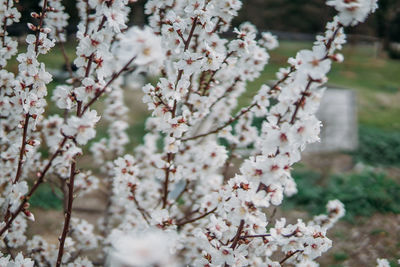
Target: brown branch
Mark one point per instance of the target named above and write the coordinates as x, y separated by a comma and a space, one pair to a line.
230, 89
196, 218
102, 91
238, 233
22, 149
68, 213
288, 255
217, 25
87, 17
254, 236
211, 78
301, 102
231, 120
282, 80
91, 57
187, 42
228, 162
166, 181
66, 58
42, 15
142, 211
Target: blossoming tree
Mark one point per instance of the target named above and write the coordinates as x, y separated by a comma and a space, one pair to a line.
172, 200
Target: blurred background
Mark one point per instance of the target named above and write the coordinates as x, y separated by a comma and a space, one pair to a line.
362, 107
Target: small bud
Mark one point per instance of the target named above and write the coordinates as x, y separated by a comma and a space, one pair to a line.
31, 142
45, 30
32, 27
30, 215
35, 15
338, 57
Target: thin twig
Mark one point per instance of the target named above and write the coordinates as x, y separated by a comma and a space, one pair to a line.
288, 255
68, 213
22, 149
142, 211
300, 103
102, 91
196, 218
231, 120
254, 236
66, 58
166, 181
238, 233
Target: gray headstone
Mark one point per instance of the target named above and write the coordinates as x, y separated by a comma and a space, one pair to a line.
338, 113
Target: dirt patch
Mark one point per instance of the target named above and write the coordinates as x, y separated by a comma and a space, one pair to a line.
361, 243
49, 223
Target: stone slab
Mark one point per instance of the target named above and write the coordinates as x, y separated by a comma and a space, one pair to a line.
338, 113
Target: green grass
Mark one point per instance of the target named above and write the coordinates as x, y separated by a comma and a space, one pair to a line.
377, 147
362, 194
46, 198
340, 256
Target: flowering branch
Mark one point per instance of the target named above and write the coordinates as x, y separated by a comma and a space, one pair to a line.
38, 29
68, 213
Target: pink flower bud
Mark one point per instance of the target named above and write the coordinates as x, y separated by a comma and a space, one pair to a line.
32, 27
34, 15
30, 215
45, 30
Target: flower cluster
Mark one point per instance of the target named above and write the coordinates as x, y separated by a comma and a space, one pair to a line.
21, 111
181, 197
56, 20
